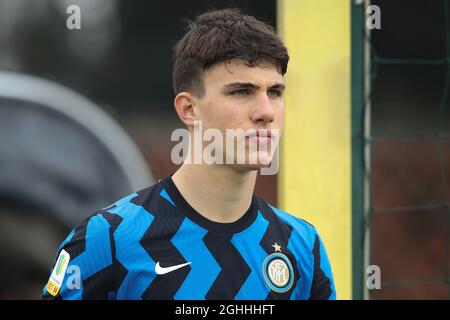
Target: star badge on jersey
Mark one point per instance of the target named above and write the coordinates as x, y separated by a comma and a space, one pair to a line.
278, 271
277, 247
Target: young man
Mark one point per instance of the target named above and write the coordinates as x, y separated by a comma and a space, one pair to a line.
201, 233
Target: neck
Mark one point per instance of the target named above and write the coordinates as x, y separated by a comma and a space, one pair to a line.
218, 192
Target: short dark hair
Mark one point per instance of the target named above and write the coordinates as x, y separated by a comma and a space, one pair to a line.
220, 35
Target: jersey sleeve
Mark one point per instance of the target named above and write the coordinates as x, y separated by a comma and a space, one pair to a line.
84, 266
322, 287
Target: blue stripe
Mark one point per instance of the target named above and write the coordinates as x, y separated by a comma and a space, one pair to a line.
130, 253
247, 243
189, 242
95, 258
166, 196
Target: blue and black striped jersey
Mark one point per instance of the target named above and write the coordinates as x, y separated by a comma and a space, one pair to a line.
153, 245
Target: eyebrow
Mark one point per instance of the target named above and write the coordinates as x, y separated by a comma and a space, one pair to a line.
249, 85
280, 86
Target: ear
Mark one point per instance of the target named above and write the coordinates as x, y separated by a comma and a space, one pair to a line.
185, 104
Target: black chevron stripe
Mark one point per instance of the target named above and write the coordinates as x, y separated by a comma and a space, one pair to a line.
98, 285
101, 283
156, 241
114, 221
120, 271
234, 268
321, 284
278, 232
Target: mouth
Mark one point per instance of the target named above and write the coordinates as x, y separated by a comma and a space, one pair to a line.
263, 136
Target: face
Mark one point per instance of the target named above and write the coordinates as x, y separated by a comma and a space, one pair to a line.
248, 98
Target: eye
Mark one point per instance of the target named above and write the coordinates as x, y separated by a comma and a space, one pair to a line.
241, 92
274, 93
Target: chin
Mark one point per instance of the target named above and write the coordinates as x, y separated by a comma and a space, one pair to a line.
264, 161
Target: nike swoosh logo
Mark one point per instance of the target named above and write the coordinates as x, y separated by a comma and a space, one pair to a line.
161, 270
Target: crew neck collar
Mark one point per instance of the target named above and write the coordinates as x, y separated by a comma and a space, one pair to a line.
225, 228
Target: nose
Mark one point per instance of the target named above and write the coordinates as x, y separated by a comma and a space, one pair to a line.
263, 112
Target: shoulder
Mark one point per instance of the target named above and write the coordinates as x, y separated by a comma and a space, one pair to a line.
294, 221
130, 207
300, 228
98, 224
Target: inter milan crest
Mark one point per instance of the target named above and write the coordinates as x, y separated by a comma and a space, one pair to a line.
277, 270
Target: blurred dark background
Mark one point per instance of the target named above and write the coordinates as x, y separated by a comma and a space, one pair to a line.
410, 149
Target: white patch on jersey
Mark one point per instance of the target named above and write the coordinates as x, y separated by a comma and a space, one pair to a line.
59, 271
